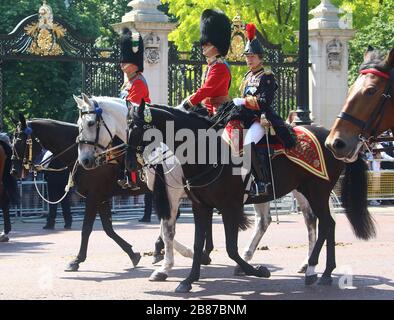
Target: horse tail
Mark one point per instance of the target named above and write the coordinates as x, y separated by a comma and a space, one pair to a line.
243, 222
160, 195
10, 183
354, 199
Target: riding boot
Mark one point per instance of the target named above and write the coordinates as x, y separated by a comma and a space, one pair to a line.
260, 179
127, 183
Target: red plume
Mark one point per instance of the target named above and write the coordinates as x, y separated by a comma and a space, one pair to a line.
251, 31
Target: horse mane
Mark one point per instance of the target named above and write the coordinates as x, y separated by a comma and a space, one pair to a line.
182, 115
375, 60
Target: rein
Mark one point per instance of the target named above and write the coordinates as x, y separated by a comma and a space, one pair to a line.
378, 114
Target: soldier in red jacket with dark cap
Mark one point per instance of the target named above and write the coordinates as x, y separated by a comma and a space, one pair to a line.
215, 31
136, 88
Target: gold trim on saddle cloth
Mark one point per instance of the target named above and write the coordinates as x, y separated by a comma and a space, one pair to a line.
307, 153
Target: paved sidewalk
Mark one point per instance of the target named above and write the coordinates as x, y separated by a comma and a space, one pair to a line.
32, 263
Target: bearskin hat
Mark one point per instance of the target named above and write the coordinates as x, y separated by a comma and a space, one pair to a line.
253, 45
132, 48
215, 27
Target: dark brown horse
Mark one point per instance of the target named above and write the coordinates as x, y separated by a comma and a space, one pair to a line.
8, 188
369, 107
214, 185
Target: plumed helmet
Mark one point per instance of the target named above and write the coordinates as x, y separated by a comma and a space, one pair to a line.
132, 48
215, 27
253, 45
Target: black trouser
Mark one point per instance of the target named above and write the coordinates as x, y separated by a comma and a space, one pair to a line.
55, 192
148, 199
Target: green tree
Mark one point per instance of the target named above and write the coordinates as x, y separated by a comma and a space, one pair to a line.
379, 33
277, 20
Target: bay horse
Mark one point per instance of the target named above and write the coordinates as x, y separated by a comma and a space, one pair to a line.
214, 185
369, 107
8, 189
112, 112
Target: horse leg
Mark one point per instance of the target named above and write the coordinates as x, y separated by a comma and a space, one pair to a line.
326, 278
168, 233
262, 221
205, 259
159, 246
87, 227
106, 220
7, 221
201, 219
310, 222
231, 233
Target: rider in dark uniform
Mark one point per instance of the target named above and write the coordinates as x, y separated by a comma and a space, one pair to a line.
258, 92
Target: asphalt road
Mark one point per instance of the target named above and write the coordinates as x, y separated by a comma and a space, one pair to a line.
32, 263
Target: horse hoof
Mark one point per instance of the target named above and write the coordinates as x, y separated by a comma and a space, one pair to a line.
205, 259
157, 258
238, 271
325, 281
303, 268
72, 267
135, 259
4, 238
158, 276
262, 272
183, 288
309, 280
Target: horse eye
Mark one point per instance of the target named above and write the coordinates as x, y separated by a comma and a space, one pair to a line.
370, 91
90, 123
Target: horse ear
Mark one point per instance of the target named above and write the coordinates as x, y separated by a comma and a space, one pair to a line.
85, 98
141, 108
14, 121
390, 58
370, 49
22, 120
79, 101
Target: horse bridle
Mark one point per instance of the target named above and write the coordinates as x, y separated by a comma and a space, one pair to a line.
99, 120
369, 128
27, 162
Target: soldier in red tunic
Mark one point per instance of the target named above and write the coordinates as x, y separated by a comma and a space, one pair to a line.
132, 64
215, 30
136, 88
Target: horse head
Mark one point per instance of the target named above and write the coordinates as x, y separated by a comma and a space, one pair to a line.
368, 109
25, 148
100, 119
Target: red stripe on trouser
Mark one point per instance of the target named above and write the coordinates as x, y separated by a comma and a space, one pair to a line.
133, 176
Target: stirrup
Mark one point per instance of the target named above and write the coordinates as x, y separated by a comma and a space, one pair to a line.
260, 189
124, 183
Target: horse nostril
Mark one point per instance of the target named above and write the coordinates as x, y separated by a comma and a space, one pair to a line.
85, 162
339, 144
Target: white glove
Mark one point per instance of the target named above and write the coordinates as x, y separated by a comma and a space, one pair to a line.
239, 101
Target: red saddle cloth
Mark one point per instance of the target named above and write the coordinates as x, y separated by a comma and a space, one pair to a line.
307, 153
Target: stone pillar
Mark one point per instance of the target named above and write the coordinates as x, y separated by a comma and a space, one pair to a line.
154, 28
328, 41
